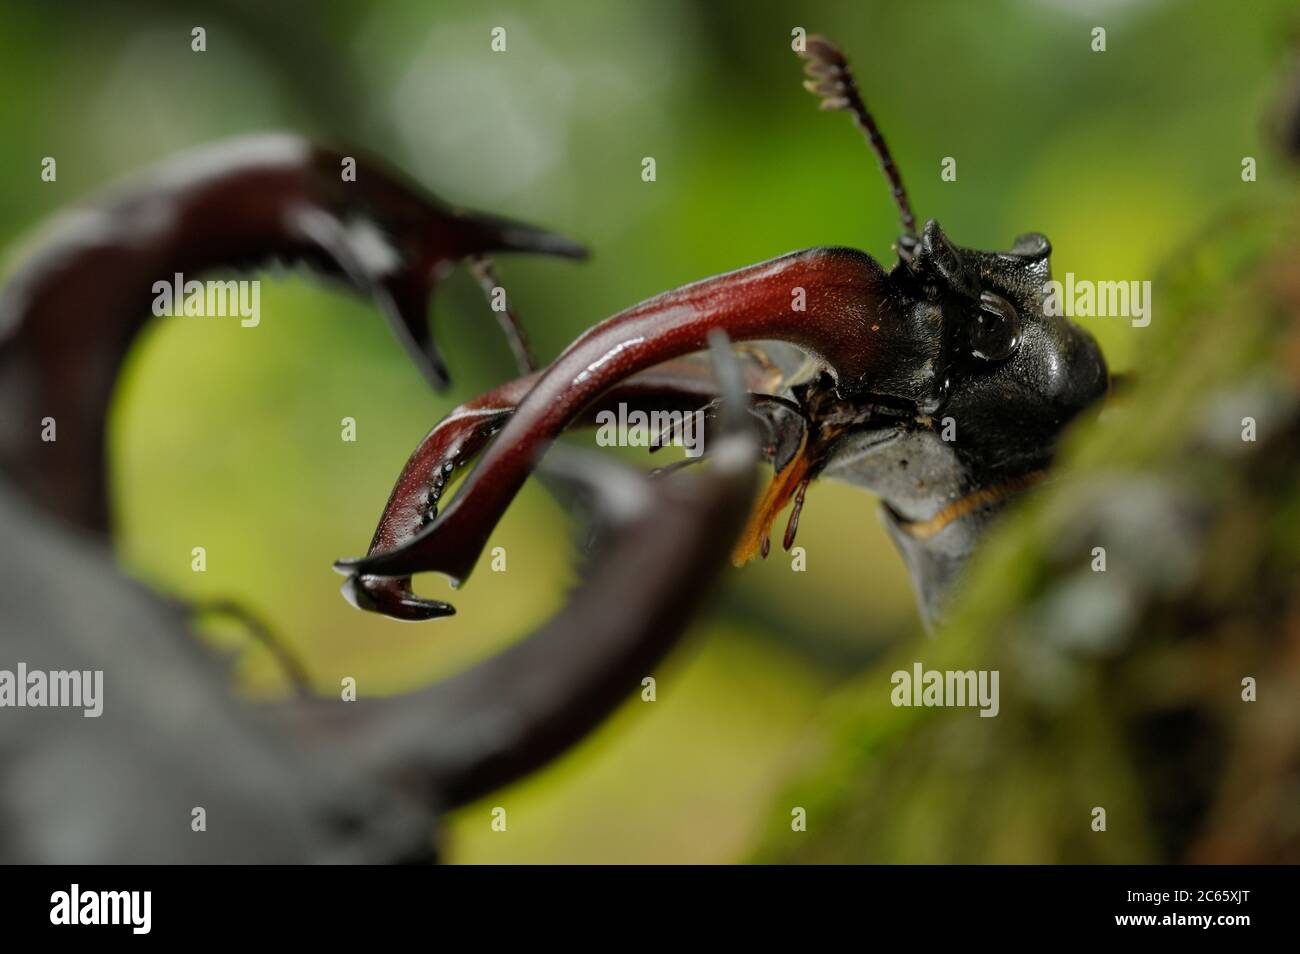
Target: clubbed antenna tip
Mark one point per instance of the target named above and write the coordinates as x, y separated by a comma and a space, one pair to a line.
829, 77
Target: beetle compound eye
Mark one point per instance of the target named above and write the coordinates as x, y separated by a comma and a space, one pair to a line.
995, 332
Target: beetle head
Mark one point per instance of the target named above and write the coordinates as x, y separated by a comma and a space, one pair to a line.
1007, 379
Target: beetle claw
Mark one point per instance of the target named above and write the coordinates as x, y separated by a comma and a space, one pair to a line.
393, 598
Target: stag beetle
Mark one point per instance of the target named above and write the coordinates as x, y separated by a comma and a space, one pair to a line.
948, 336
941, 385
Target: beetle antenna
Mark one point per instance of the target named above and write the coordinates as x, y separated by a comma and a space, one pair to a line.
830, 78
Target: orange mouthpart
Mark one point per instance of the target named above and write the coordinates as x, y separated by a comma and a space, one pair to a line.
783, 487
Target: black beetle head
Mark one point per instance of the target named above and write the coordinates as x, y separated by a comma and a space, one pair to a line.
1005, 380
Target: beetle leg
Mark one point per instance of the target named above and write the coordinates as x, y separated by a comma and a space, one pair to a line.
484, 271
285, 656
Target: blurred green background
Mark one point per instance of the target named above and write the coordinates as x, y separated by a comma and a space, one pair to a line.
229, 438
